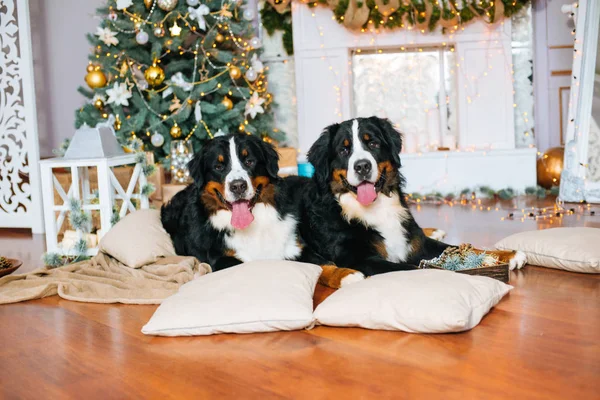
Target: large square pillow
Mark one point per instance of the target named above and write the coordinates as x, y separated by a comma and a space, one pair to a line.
259, 296
426, 301
571, 249
138, 239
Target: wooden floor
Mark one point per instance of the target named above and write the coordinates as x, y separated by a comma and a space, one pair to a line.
542, 341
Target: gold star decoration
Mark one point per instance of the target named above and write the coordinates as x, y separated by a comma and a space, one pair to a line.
224, 12
175, 29
175, 105
203, 72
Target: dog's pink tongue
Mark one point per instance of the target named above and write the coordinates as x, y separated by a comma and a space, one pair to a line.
241, 216
366, 193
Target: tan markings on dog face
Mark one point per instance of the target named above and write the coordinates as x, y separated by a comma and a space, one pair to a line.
346, 142
210, 199
366, 136
221, 158
245, 152
229, 253
337, 184
267, 194
391, 176
380, 248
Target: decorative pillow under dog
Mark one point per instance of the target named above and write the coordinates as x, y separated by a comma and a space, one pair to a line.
571, 249
138, 239
259, 296
424, 301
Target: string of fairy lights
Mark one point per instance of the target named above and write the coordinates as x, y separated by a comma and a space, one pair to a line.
471, 83
510, 211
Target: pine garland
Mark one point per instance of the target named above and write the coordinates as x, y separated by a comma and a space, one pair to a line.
273, 21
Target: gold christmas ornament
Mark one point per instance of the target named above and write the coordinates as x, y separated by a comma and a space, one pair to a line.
154, 75
148, 3
99, 104
227, 103
219, 38
159, 31
176, 131
90, 68
167, 5
235, 72
95, 78
117, 123
241, 128
550, 166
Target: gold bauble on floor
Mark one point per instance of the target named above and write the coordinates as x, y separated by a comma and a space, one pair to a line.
235, 72
154, 75
95, 78
176, 132
550, 166
227, 103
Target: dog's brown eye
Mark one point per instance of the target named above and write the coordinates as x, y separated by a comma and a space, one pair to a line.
219, 167
249, 162
373, 144
344, 151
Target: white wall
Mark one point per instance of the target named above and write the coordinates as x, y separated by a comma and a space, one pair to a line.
60, 51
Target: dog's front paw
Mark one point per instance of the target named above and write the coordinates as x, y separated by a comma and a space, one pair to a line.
352, 278
517, 261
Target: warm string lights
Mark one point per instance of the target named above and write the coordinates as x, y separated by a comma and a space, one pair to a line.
470, 200
471, 83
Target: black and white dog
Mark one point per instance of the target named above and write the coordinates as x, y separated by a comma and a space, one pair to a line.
355, 214
237, 209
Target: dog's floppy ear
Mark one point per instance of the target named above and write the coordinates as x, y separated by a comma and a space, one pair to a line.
393, 138
318, 155
196, 167
271, 157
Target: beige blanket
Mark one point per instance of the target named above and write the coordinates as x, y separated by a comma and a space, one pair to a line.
103, 279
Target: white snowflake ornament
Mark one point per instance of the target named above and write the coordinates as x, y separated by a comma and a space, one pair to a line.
254, 105
119, 94
107, 36
197, 14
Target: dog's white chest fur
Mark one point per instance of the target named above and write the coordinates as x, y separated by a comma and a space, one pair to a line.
385, 215
267, 238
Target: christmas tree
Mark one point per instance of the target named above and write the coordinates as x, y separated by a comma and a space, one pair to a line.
177, 70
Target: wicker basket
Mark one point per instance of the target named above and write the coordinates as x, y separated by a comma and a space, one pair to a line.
499, 272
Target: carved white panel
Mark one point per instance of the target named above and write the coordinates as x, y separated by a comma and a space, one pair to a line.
19, 175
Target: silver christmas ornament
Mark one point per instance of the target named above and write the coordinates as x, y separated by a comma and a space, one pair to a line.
159, 32
141, 37
167, 5
112, 16
157, 139
255, 42
251, 75
248, 14
193, 3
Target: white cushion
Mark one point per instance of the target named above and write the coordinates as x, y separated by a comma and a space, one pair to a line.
571, 249
138, 239
259, 296
427, 301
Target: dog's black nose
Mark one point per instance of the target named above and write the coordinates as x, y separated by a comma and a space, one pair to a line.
362, 167
238, 187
